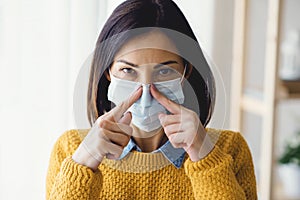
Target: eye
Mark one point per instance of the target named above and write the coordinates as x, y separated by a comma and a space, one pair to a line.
127, 70
166, 71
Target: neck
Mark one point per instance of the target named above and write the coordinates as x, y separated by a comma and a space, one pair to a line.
149, 141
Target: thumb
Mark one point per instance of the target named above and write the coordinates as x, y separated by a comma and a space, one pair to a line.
126, 119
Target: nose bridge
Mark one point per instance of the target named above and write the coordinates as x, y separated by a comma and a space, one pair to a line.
146, 75
146, 78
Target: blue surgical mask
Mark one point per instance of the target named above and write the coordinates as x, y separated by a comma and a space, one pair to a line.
146, 109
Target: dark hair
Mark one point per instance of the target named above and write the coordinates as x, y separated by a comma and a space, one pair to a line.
134, 14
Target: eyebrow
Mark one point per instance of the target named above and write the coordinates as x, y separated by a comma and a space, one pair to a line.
156, 66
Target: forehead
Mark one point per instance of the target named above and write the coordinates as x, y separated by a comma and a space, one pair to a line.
148, 56
148, 47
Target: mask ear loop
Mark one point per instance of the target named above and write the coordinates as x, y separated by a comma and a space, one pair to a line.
109, 71
183, 74
111, 75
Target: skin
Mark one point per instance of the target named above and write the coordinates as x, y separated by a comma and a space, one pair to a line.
182, 127
111, 132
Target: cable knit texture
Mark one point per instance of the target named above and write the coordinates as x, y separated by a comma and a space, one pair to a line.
225, 173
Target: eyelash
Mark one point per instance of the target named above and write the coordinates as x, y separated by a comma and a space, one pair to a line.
126, 68
169, 71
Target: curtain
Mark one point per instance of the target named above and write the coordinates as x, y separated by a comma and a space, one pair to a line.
43, 45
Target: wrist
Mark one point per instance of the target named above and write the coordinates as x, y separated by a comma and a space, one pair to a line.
83, 157
206, 147
198, 152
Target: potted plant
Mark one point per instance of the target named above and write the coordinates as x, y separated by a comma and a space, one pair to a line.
290, 169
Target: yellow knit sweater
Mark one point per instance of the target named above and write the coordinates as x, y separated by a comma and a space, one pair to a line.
226, 173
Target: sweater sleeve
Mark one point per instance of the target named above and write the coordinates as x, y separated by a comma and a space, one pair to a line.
224, 175
66, 179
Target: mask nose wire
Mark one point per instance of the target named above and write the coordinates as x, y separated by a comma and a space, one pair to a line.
146, 97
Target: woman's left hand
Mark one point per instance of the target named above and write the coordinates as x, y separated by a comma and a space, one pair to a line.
183, 127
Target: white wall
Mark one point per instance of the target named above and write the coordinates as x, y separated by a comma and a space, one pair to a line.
43, 44
212, 22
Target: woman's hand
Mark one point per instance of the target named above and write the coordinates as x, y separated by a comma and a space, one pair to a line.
108, 136
183, 128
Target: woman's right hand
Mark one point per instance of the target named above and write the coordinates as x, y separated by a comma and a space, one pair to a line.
108, 136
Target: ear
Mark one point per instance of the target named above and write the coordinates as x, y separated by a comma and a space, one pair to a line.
188, 71
107, 74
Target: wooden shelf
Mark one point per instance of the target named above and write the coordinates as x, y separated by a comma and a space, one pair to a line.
264, 106
288, 90
293, 86
262, 102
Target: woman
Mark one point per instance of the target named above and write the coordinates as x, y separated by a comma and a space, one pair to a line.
150, 145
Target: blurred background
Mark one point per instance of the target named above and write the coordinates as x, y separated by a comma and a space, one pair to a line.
253, 47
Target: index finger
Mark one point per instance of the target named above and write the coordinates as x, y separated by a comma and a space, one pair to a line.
117, 112
167, 103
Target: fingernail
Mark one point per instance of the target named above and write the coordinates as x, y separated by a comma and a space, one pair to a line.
125, 113
138, 89
160, 116
153, 87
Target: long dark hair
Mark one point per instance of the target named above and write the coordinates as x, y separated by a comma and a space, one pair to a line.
135, 14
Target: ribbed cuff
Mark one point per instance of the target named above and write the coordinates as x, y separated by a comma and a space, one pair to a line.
216, 158
80, 175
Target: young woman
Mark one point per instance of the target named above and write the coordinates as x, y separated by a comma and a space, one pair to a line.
150, 145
